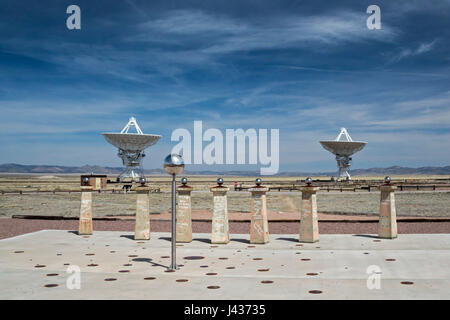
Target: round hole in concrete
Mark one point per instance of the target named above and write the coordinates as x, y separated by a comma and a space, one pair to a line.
90, 254
110, 279
124, 271
127, 265
169, 270
19, 251
132, 255
223, 258
92, 265
182, 280
407, 282
312, 274
203, 266
52, 274
51, 285
149, 278
390, 259
194, 258
230, 267
213, 287
264, 270
40, 266
257, 259
315, 291
211, 274
165, 257
305, 259
267, 281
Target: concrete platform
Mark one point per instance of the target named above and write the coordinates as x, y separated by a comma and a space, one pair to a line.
334, 268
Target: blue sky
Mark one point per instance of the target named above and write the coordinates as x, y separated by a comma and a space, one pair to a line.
307, 68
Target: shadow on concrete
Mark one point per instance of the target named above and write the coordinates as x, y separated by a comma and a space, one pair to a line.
165, 238
205, 240
241, 240
148, 260
128, 236
365, 236
288, 239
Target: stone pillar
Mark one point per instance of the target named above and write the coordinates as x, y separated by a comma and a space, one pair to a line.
220, 230
387, 224
259, 226
184, 218
142, 224
309, 224
85, 225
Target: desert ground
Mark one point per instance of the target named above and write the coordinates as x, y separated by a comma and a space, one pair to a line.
54, 198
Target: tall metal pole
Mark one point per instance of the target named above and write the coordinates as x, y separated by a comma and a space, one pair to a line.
173, 265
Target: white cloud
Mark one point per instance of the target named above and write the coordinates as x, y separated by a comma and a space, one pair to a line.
229, 35
411, 52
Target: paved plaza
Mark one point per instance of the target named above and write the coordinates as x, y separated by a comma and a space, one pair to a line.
115, 266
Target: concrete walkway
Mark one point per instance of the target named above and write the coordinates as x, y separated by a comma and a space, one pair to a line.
414, 266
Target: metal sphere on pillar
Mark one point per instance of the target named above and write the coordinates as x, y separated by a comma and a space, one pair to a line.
174, 164
387, 180
220, 181
85, 181
143, 181
184, 181
308, 181
258, 181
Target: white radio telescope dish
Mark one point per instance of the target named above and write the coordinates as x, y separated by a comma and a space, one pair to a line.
131, 148
343, 149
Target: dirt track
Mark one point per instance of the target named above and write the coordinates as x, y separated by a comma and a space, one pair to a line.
419, 204
13, 227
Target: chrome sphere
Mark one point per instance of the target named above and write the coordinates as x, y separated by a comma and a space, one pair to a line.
174, 164
258, 181
308, 180
142, 180
387, 180
184, 180
219, 181
85, 181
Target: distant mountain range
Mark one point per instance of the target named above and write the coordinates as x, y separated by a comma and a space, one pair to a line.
395, 170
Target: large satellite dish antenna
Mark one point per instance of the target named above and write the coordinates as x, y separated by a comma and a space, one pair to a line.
343, 149
131, 148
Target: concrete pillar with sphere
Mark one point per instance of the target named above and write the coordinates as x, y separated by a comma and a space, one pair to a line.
259, 225
142, 224
85, 223
387, 224
220, 233
184, 213
309, 222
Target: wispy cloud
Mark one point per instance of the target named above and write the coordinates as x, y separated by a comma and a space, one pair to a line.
229, 35
412, 52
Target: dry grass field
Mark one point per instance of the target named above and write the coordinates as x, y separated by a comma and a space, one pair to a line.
409, 203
